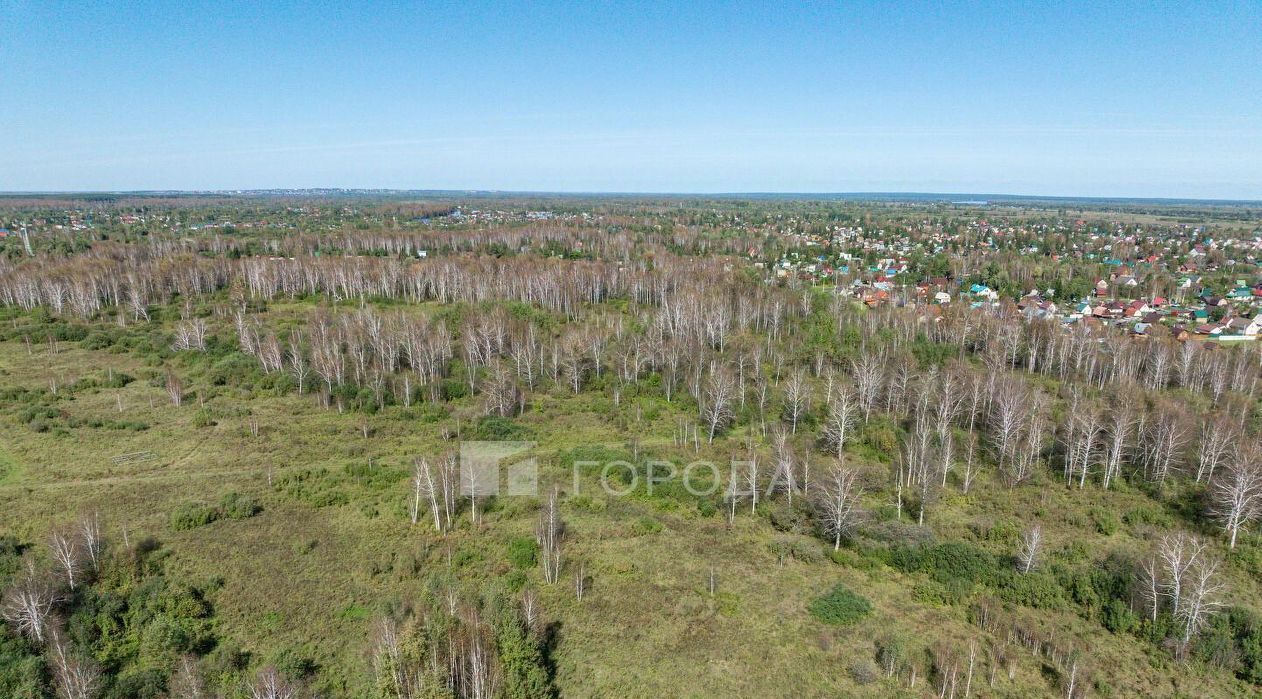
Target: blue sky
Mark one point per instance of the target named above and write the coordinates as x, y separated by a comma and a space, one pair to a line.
1101, 99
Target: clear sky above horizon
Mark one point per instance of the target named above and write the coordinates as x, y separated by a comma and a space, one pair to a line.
1073, 98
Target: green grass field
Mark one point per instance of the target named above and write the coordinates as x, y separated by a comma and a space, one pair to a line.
332, 548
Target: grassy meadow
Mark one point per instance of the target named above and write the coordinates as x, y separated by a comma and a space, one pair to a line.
300, 583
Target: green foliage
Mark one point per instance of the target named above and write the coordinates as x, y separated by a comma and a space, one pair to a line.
118, 380
801, 549
929, 354
191, 515
839, 607
851, 559
953, 564
646, 525
320, 487
593, 458
891, 652
588, 503
707, 508
806, 550
1037, 589
453, 389
10, 558
1004, 532
295, 663
525, 676
23, 674
1075, 552
878, 440
204, 418
939, 594
499, 429
1116, 616
372, 476
139, 621
790, 518
1106, 521
514, 580
235, 369
523, 552
236, 506
1233, 641
1149, 515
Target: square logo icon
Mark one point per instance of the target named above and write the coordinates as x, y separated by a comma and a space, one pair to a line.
488, 468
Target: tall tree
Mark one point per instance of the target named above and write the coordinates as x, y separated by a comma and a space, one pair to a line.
1236, 495
838, 503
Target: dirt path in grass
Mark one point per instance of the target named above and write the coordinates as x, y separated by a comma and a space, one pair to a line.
131, 478
9, 472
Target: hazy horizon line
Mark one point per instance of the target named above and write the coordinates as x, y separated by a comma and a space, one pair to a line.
949, 197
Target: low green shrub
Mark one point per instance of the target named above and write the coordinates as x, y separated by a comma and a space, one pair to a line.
646, 525
807, 551
1116, 616
852, 559
840, 607
788, 518
499, 429
191, 515
514, 580
236, 506
523, 552
1147, 515
1106, 521
203, 418
1036, 589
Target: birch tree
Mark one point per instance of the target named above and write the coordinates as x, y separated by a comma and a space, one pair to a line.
842, 412
868, 374
716, 408
500, 392
1029, 548
175, 388
1178, 553
1121, 423
1236, 496
298, 364
1165, 445
269, 684
425, 491
1216, 438
91, 539
797, 398
548, 534
784, 475
76, 676
67, 556
28, 604
1008, 410
1202, 597
838, 503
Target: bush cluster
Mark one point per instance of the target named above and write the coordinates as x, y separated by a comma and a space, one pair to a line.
191, 515
840, 606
